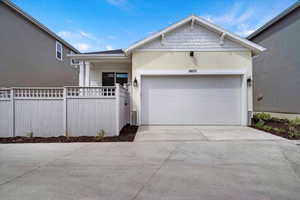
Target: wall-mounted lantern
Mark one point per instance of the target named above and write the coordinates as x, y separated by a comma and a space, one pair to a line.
135, 83
249, 82
191, 53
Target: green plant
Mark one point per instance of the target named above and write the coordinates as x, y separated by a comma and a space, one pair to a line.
282, 130
29, 134
100, 134
294, 134
267, 128
276, 130
260, 124
294, 122
263, 116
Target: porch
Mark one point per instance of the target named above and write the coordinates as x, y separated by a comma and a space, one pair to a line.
104, 70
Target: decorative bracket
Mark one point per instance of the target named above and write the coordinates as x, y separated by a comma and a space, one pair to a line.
192, 24
162, 39
222, 39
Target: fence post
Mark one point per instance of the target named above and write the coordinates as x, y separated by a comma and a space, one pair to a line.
117, 95
65, 121
12, 99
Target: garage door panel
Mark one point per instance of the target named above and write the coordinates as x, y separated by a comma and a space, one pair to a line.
191, 100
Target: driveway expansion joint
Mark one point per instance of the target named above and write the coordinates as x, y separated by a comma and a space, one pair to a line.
156, 171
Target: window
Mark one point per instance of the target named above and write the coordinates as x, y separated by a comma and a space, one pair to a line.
111, 78
108, 78
74, 61
59, 51
122, 78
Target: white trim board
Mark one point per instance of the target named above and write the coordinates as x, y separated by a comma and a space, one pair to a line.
242, 73
187, 73
195, 50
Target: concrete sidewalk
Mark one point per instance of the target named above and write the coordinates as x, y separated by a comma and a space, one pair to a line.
253, 170
201, 133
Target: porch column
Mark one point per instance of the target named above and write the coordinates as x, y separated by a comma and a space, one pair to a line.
81, 73
87, 73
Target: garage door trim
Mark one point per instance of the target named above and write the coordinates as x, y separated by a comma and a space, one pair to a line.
242, 73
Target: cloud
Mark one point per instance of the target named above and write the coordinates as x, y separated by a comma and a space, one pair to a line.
235, 15
83, 40
239, 18
122, 4
244, 30
116, 2
244, 17
82, 47
109, 47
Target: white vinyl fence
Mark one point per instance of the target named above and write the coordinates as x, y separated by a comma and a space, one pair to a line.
72, 111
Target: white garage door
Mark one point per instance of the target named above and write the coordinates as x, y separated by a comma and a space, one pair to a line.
191, 100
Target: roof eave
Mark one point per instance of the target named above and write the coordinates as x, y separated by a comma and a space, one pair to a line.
99, 56
38, 24
274, 20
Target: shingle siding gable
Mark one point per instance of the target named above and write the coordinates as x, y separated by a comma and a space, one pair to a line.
186, 37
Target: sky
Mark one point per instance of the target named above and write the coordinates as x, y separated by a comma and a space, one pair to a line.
98, 25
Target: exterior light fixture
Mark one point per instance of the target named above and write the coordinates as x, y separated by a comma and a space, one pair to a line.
249, 82
191, 53
135, 83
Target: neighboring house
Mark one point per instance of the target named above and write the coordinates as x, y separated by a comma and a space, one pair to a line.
276, 72
190, 73
31, 55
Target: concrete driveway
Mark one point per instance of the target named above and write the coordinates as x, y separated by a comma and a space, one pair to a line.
232, 169
201, 133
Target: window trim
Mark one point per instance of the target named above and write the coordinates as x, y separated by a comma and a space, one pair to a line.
115, 76
58, 46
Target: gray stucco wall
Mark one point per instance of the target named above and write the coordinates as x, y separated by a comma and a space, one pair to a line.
276, 72
27, 55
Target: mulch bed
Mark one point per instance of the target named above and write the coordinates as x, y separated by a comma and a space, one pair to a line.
279, 124
127, 134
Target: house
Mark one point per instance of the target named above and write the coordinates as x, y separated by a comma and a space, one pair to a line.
276, 72
31, 55
190, 73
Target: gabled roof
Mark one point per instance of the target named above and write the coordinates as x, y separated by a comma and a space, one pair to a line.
275, 19
255, 48
38, 24
114, 51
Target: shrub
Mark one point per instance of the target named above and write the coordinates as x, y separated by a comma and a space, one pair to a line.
294, 122
276, 130
260, 124
294, 134
267, 128
100, 134
282, 130
29, 134
263, 116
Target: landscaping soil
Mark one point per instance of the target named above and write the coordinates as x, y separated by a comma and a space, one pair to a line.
127, 134
280, 124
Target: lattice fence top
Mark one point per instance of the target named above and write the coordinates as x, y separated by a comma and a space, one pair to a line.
91, 91
61, 92
5, 94
38, 92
